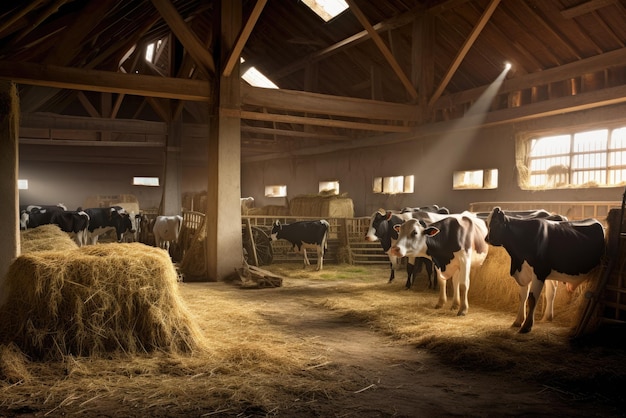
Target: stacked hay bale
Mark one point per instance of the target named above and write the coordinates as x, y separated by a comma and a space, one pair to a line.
95, 300
46, 237
322, 206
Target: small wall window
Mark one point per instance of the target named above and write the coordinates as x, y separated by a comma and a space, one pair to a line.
276, 191
145, 181
475, 179
22, 184
393, 184
329, 187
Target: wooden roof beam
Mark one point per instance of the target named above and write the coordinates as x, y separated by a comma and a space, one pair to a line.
188, 38
410, 88
456, 62
242, 38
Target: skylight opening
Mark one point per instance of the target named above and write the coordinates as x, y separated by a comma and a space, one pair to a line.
257, 79
326, 9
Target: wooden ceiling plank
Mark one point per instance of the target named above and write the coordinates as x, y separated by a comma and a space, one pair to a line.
73, 36
410, 88
350, 41
586, 7
104, 81
292, 133
242, 38
49, 11
188, 38
17, 16
491, 7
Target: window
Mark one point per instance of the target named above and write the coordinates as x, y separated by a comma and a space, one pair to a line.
22, 184
276, 191
330, 187
393, 185
256, 78
475, 179
326, 9
592, 158
145, 181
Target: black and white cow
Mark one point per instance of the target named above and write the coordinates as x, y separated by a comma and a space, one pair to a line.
541, 249
73, 222
454, 244
303, 235
102, 220
381, 229
32, 216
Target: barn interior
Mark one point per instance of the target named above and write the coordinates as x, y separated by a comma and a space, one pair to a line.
427, 93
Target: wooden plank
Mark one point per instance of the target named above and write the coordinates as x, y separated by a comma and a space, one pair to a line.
463, 51
242, 38
383, 49
48, 121
189, 39
325, 104
586, 7
104, 81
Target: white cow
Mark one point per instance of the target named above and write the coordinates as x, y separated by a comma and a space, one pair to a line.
166, 230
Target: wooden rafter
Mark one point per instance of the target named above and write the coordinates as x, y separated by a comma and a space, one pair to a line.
242, 38
463, 51
383, 49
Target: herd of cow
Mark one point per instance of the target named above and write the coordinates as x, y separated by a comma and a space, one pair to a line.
542, 246
87, 225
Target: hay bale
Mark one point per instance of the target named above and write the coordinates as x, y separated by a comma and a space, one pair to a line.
95, 300
45, 238
322, 206
194, 265
269, 210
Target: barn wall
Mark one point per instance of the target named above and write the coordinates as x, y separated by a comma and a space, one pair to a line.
432, 160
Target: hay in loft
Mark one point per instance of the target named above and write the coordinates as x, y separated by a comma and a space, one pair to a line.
322, 205
45, 238
95, 300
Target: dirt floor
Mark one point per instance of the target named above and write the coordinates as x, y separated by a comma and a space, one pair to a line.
364, 361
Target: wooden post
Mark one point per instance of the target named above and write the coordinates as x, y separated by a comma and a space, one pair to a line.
223, 217
172, 201
9, 209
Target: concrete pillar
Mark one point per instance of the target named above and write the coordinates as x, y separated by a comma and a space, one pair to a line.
172, 192
9, 209
223, 217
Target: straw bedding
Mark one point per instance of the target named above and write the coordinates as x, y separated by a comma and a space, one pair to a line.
95, 300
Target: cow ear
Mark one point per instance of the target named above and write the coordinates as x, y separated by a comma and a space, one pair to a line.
431, 231
382, 212
388, 215
396, 227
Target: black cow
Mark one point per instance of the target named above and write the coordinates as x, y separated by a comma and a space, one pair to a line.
73, 222
304, 234
32, 216
454, 244
381, 229
541, 249
101, 220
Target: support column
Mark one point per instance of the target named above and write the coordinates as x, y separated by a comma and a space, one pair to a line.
9, 209
223, 217
172, 193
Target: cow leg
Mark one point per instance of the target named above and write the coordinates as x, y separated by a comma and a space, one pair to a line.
535, 291
443, 297
320, 258
550, 294
410, 271
393, 264
521, 311
392, 275
306, 259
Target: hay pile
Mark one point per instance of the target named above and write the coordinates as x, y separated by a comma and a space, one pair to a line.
194, 264
44, 238
323, 206
95, 300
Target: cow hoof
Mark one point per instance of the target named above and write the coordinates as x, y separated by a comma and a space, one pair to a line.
516, 325
438, 306
524, 330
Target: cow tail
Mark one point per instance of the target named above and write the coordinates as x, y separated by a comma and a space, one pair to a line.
325, 238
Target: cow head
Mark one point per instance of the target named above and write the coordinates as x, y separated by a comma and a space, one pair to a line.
276, 228
373, 232
412, 236
122, 224
497, 223
24, 217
